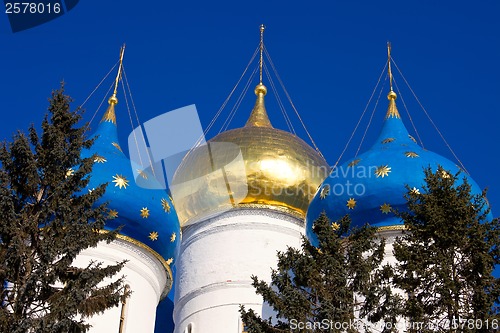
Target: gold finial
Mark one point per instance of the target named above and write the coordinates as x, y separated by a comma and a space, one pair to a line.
392, 95
389, 64
262, 28
258, 117
110, 112
392, 110
118, 76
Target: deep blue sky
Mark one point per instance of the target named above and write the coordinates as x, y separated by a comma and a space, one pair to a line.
328, 54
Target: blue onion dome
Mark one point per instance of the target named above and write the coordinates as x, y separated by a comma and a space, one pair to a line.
370, 185
147, 216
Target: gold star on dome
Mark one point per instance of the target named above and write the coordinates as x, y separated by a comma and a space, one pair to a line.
99, 159
172, 237
145, 212
142, 174
335, 226
69, 172
117, 146
353, 163
388, 140
112, 214
412, 138
324, 192
170, 261
351, 203
383, 171
165, 205
411, 154
385, 208
120, 181
445, 174
415, 190
153, 235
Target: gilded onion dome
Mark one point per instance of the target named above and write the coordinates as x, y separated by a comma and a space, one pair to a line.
146, 217
369, 186
252, 166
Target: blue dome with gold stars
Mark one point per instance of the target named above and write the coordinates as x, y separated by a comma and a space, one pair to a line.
145, 215
369, 186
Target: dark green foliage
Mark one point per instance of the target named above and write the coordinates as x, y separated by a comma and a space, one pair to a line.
326, 284
46, 220
447, 255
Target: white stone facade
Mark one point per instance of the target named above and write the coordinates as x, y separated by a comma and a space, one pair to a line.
144, 273
218, 257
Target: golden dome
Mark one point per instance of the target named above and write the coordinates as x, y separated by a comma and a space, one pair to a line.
254, 166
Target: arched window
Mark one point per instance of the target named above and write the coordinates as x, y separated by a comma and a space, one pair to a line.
189, 328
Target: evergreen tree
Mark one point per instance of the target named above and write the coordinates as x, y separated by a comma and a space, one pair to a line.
46, 220
446, 257
317, 289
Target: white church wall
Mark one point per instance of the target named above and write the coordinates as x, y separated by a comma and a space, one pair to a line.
389, 234
147, 279
217, 258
